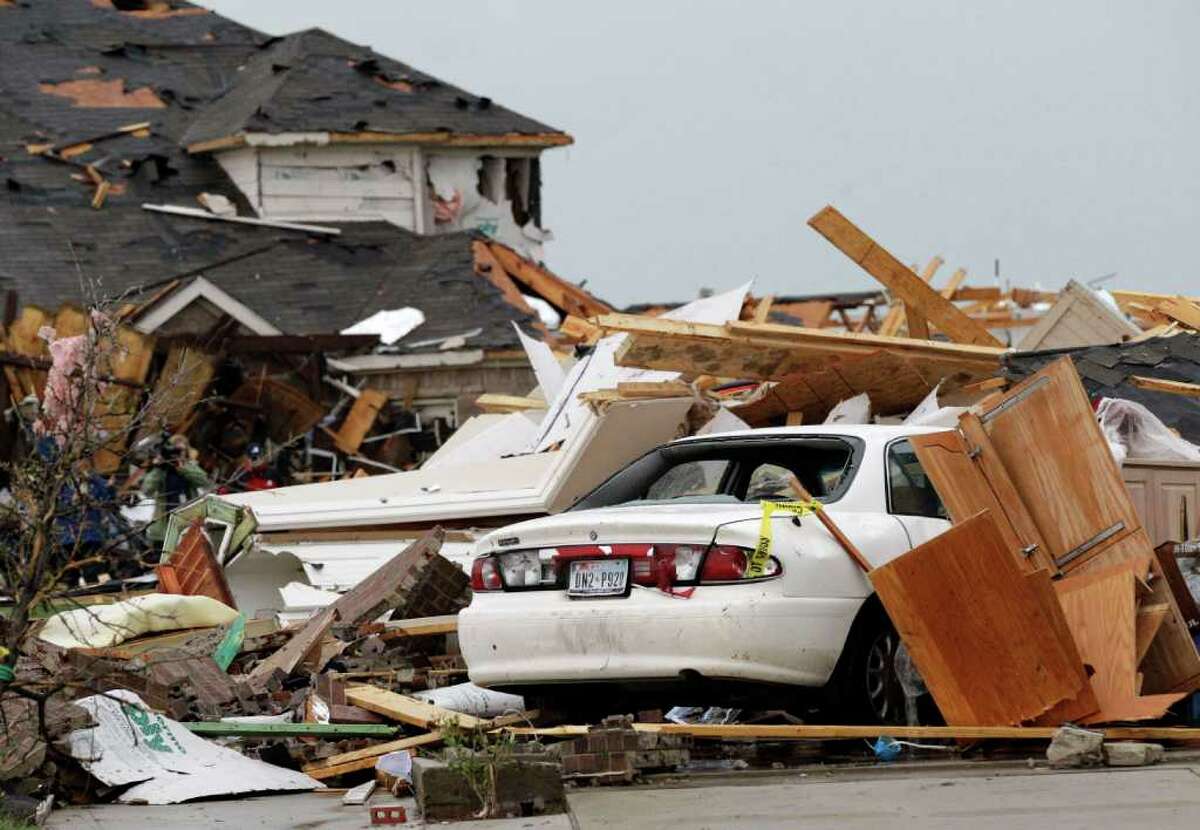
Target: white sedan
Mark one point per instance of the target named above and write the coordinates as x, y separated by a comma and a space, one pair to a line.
650, 587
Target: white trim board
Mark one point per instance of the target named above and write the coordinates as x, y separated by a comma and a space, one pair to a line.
200, 288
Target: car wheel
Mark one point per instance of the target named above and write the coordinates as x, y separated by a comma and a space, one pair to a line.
866, 685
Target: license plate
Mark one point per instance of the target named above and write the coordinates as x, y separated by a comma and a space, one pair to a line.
598, 578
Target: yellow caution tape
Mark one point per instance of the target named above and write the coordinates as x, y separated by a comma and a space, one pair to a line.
757, 566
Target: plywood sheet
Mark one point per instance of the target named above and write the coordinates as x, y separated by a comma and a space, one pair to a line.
1046, 436
983, 639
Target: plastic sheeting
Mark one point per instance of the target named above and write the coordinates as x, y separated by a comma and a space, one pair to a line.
1133, 431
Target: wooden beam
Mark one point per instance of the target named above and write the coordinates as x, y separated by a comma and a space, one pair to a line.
365, 758
489, 402
952, 285
563, 294
1145, 298
902, 282
407, 709
786, 732
763, 309
767, 351
1181, 310
1171, 387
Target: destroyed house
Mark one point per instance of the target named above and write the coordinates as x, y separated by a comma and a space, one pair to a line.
218, 182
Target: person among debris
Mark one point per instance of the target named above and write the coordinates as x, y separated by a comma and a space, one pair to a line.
173, 480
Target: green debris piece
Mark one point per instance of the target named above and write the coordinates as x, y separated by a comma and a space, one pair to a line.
231, 643
291, 730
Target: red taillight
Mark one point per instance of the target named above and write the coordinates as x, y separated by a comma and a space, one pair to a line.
485, 575
726, 563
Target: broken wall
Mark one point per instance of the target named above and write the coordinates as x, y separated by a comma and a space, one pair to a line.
497, 195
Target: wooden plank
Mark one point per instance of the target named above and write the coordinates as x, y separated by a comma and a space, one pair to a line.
365, 758
1182, 310
766, 351
362, 759
763, 310
654, 389
982, 638
1147, 622
490, 402
417, 626
1171, 387
818, 732
359, 420
954, 283
407, 709
560, 293
901, 281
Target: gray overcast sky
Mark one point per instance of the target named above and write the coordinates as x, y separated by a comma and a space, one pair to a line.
1059, 137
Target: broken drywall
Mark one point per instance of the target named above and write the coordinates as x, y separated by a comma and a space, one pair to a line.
472, 192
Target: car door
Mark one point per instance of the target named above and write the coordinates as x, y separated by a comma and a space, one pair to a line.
911, 496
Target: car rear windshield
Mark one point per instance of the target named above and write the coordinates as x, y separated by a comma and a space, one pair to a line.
733, 470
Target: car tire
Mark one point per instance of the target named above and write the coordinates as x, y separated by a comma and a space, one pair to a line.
865, 687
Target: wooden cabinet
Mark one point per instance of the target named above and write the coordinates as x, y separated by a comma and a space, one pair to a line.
1165, 495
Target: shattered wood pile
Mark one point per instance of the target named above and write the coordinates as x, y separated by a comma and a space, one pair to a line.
1034, 493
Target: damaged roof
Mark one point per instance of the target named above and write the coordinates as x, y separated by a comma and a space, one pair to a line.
314, 81
92, 90
1106, 371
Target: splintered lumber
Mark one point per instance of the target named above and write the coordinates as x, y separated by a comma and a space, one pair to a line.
1181, 310
899, 279
419, 626
407, 709
816, 732
1171, 387
763, 310
493, 403
560, 293
365, 758
1145, 298
768, 351
986, 642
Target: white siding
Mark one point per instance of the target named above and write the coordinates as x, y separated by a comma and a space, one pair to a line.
241, 165
337, 183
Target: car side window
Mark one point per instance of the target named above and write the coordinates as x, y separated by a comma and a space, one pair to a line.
910, 492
